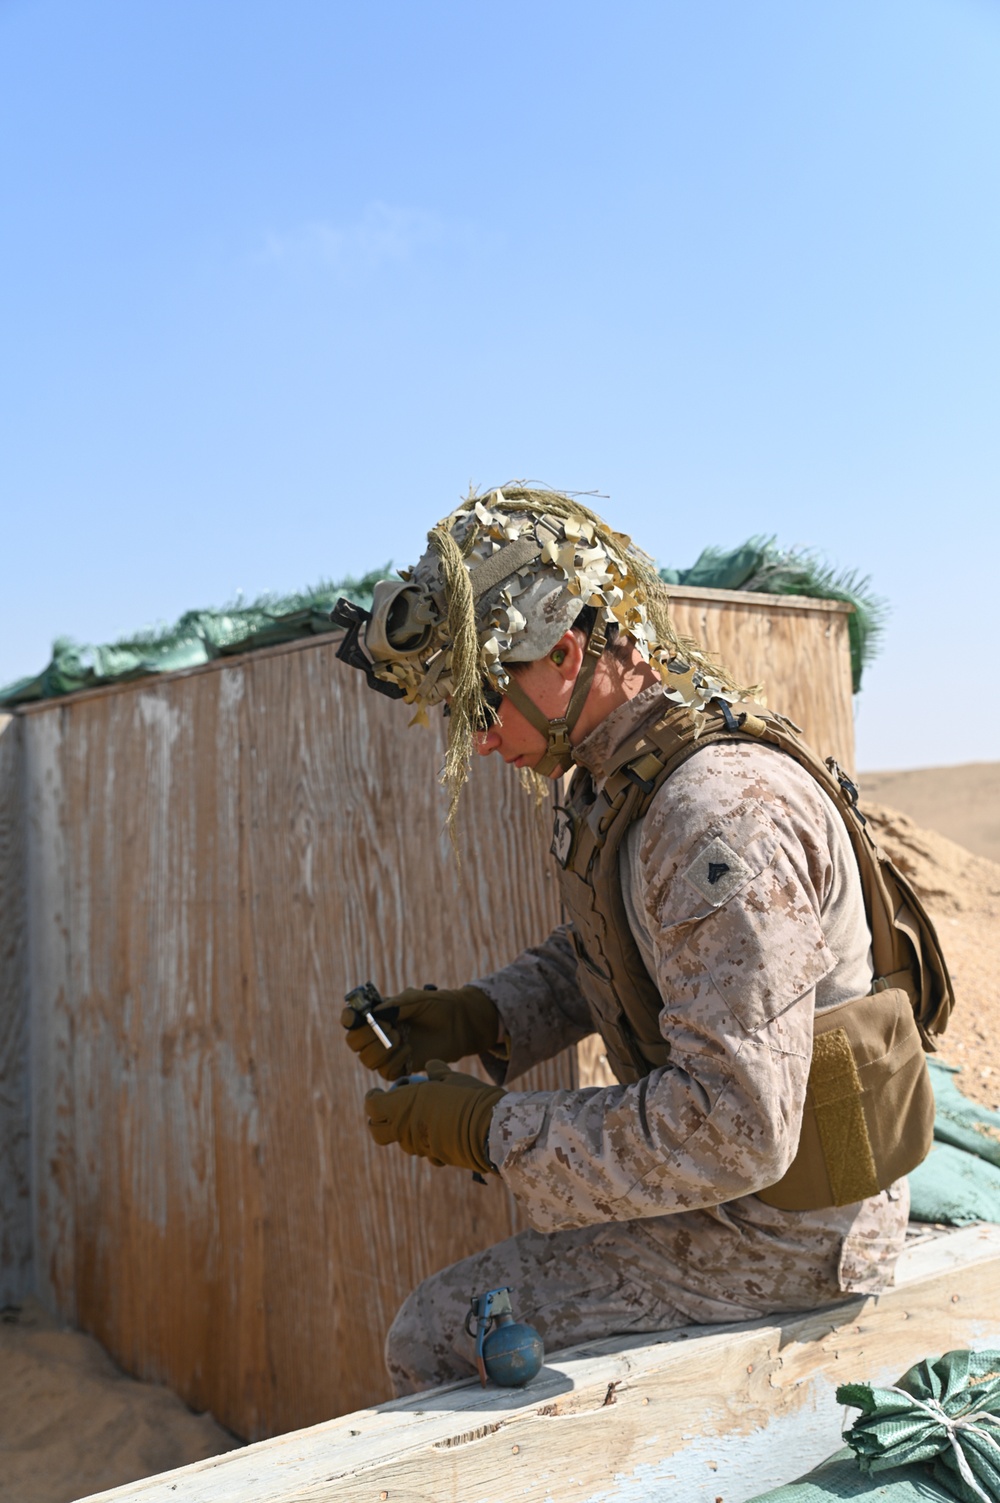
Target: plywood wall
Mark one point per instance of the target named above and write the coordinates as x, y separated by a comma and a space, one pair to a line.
219, 858
15, 1205
798, 650
214, 859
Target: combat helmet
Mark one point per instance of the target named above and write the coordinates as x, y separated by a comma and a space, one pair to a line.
504, 576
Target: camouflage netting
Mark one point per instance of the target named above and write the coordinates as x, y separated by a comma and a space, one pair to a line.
760, 565
201, 635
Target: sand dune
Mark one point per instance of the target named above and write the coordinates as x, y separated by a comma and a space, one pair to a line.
943, 829
960, 802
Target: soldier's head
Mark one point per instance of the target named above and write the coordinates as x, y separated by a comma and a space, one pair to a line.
516, 577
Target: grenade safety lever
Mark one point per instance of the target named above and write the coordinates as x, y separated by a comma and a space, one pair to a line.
507, 1351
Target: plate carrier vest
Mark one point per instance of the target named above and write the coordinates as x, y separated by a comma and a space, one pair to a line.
869, 1109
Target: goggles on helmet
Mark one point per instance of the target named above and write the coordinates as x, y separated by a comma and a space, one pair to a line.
504, 577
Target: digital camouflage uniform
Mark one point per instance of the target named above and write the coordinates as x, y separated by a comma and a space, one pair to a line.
623, 1184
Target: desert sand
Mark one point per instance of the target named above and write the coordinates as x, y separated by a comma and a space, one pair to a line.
913, 811
72, 1423
960, 802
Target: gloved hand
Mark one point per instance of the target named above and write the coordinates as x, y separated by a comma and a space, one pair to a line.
445, 1119
424, 1025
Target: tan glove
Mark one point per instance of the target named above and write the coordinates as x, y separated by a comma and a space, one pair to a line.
424, 1025
445, 1119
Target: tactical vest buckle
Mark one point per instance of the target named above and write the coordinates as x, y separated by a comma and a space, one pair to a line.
644, 771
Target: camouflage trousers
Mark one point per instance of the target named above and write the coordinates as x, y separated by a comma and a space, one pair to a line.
729, 1263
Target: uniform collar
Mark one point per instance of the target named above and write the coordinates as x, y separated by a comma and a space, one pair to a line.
596, 751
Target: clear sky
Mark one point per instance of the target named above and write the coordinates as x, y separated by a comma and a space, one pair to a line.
279, 277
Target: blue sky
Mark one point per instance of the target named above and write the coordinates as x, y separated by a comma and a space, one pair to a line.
278, 279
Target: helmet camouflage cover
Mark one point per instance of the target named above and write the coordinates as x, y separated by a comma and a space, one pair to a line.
505, 575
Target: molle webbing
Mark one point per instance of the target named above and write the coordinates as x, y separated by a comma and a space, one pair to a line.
905, 947
502, 564
868, 1117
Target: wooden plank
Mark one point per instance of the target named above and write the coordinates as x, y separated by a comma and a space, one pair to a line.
760, 597
686, 604
245, 846
51, 1034
15, 1194
697, 1415
800, 653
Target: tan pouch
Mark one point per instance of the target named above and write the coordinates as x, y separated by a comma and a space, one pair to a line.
869, 1112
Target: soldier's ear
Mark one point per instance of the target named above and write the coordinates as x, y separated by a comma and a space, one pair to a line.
567, 655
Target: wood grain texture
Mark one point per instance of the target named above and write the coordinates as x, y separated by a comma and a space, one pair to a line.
798, 650
51, 1021
694, 1415
218, 859
15, 1182
215, 857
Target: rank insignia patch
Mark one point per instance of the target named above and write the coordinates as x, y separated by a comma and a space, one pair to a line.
562, 836
717, 871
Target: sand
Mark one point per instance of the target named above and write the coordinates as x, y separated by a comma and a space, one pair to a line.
72, 1423
960, 802
962, 893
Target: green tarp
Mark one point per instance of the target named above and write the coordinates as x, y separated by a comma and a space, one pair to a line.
960, 1181
840, 1477
954, 1188
198, 637
962, 1122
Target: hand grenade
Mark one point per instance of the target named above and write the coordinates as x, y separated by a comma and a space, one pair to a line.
507, 1351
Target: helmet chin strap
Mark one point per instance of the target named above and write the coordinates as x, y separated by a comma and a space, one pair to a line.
558, 752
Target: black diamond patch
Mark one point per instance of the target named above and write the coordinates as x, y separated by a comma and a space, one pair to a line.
717, 872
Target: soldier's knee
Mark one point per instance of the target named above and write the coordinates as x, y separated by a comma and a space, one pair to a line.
422, 1345
409, 1357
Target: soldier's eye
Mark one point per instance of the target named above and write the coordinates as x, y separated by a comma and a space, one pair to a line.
494, 699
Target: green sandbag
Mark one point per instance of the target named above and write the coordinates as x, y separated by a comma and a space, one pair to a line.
934, 1435
840, 1477
944, 1412
959, 1121
954, 1188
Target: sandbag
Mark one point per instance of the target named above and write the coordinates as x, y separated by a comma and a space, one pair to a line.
943, 1412
959, 1121
954, 1188
934, 1435
840, 1477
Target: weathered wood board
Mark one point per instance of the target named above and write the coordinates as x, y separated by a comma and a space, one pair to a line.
218, 858
797, 649
15, 1201
702, 1415
214, 858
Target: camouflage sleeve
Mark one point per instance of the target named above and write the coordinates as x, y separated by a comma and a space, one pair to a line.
732, 885
540, 1006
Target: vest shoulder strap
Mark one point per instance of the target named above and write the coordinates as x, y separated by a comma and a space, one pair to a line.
905, 947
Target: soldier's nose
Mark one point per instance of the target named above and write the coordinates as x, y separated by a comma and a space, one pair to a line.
487, 741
